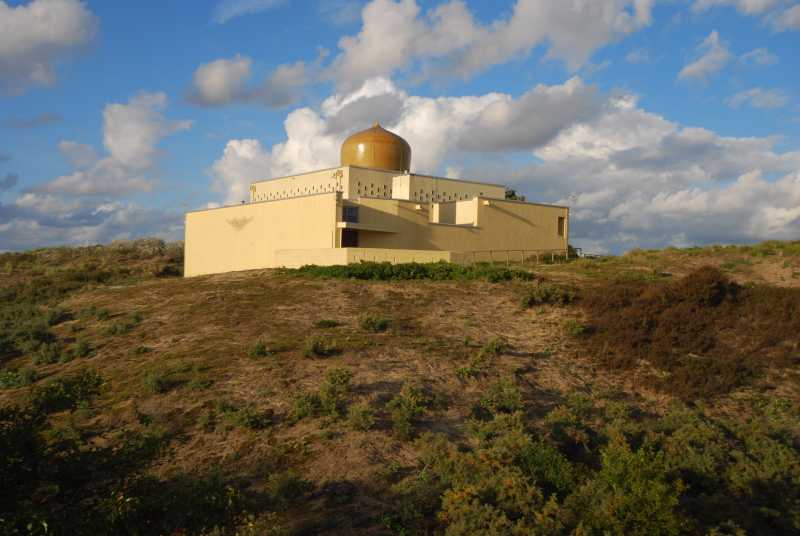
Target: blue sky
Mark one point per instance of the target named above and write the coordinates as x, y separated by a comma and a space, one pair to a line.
658, 122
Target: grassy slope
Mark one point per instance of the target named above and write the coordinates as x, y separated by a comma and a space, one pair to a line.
196, 337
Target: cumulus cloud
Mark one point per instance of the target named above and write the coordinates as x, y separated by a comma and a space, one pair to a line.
760, 56
131, 133
397, 35
749, 7
40, 120
225, 81
79, 155
36, 36
434, 127
715, 56
632, 177
40, 220
788, 19
221, 81
226, 10
759, 98
532, 120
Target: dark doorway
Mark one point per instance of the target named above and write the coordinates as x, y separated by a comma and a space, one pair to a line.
349, 238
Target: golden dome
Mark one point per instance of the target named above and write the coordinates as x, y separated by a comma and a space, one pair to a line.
377, 148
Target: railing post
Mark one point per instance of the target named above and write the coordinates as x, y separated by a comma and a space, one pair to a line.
507, 259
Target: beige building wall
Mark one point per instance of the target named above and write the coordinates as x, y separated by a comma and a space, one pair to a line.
498, 225
245, 237
323, 181
355, 182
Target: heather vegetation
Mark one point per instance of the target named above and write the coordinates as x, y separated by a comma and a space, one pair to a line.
653, 393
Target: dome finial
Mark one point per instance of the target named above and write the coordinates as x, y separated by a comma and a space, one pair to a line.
376, 124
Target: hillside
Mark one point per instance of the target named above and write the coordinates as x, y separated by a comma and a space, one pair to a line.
655, 392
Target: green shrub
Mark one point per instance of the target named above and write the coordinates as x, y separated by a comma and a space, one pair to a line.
286, 488
47, 354
503, 396
484, 359
631, 494
440, 271
375, 324
316, 346
326, 323
259, 349
305, 405
406, 407
66, 393
103, 314
10, 379
574, 328
361, 417
158, 381
245, 417
335, 390
547, 293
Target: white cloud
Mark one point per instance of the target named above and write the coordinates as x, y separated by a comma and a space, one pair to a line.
220, 81
224, 81
760, 56
131, 133
42, 220
750, 7
79, 155
759, 98
396, 36
715, 56
788, 20
226, 10
34, 37
435, 127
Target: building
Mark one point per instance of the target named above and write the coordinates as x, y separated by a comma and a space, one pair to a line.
371, 207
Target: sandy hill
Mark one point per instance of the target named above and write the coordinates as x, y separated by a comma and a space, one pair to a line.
655, 392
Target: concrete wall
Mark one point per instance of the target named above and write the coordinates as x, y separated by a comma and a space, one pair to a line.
326, 180
498, 225
245, 237
294, 258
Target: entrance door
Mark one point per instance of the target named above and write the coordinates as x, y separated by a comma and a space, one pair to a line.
349, 238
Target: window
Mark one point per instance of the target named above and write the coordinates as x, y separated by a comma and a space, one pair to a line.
561, 226
350, 214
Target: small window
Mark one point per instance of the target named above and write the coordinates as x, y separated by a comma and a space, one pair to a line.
561, 226
350, 214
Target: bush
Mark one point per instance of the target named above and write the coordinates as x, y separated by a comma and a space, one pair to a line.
406, 407
47, 354
503, 396
361, 417
547, 293
375, 324
305, 405
158, 381
574, 328
66, 393
259, 350
703, 334
631, 494
440, 271
316, 346
245, 417
10, 379
285, 488
335, 390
